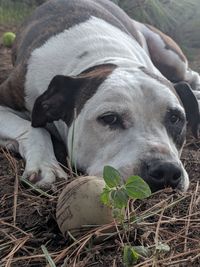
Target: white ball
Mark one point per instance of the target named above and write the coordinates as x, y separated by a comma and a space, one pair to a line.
79, 204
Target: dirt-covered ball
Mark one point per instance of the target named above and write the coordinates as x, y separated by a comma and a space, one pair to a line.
8, 39
79, 205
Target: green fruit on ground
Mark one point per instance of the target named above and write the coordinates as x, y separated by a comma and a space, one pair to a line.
8, 39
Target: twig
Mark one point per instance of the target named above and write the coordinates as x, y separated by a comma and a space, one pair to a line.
188, 222
13, 165
16, 188
19, 243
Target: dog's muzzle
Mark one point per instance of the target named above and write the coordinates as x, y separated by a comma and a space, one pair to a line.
160, 174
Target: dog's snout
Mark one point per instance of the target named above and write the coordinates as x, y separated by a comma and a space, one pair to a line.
163, 174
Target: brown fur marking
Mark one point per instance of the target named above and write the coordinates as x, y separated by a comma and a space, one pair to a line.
170, 44
51, 18
12, 90
64, 94
93, 77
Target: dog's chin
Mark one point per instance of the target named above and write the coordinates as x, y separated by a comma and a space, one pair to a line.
183, 187
184, 183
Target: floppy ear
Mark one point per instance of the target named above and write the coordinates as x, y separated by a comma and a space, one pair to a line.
57, 102
65, 93
190, 105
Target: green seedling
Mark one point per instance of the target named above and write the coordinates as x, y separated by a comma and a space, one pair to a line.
117, 194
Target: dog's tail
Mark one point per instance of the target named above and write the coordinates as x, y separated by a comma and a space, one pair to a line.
12, 91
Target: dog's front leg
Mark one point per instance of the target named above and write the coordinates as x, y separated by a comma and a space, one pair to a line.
33, 144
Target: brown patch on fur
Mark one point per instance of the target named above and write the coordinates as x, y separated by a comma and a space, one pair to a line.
93, 78
99, 71
12, 90
53, 17
170, 44
174, 73
124, 19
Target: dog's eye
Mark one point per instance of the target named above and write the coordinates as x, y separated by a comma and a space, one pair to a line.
174, 119
111, 119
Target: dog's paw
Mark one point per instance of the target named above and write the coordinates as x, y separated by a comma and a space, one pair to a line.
43, 174
11, 145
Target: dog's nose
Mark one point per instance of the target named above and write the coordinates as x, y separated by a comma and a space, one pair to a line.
164, 174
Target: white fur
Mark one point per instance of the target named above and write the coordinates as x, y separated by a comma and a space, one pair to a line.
125, 92
60, 54
193, 78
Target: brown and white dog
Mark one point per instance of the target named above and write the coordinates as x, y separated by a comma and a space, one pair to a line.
118, 75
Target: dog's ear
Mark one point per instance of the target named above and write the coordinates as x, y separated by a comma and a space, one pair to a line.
65, 93
57, 102
190, 105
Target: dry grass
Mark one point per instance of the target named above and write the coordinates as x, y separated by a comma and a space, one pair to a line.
27, 219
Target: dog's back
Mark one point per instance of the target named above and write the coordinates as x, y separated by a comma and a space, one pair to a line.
55, 16
52, 18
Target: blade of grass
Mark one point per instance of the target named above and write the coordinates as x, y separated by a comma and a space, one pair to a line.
47, 256
34, 187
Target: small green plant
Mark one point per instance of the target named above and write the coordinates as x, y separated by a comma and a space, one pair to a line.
117, 195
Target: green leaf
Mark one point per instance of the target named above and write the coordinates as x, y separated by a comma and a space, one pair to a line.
105, 196
119, 198
143, 251
111, 176
137, 188
130, 256
162, 247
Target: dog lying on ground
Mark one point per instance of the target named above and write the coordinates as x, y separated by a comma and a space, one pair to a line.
123, 86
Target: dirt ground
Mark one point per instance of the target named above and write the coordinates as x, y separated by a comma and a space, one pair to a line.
27, 217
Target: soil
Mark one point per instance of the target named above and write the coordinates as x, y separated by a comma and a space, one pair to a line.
27, 218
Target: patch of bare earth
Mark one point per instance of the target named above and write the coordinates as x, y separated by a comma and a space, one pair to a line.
27, 219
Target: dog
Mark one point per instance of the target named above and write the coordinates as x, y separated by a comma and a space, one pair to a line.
115, 91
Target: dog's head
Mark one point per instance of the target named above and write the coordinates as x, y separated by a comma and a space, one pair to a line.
126, 118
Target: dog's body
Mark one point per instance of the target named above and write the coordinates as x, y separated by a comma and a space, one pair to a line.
87, 61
